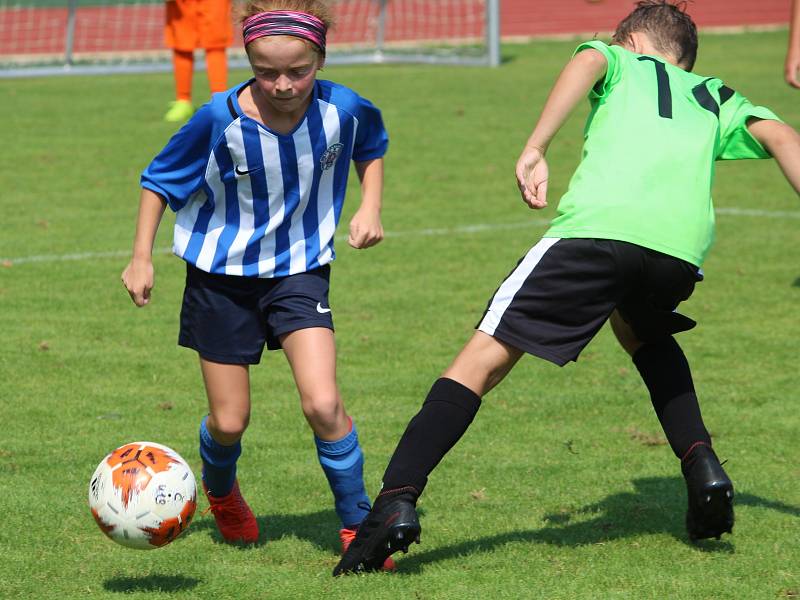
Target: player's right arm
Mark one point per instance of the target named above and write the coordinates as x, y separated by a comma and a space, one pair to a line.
782, 142
138, 277
573, 84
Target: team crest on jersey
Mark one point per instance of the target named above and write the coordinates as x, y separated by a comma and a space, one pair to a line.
330, 155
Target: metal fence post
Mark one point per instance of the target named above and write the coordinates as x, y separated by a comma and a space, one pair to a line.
380, 34
69, 42
493, 31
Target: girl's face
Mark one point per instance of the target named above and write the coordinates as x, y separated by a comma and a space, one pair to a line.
285, 68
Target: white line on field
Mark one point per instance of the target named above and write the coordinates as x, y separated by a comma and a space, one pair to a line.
754, 212
441, 231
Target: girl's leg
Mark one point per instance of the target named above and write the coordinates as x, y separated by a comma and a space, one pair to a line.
228, 391
311, 353
448, 410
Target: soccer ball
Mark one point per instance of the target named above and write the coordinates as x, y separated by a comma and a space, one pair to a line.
143, 495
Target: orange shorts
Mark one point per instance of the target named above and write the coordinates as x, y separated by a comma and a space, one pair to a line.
198, 24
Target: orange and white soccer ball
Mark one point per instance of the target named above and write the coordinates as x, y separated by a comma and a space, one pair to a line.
143, 495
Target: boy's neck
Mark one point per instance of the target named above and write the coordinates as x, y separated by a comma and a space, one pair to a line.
640, 43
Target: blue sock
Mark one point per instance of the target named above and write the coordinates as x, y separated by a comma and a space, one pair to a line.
343, 464
219, 462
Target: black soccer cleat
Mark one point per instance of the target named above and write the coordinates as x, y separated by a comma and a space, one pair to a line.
391, 525
710, 495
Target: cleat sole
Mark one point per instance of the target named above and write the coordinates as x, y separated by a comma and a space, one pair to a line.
713, 516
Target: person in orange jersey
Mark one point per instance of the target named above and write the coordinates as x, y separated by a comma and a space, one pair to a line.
193, 24
793, 52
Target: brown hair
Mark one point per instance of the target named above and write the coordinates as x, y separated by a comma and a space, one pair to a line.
669, 28
318, 8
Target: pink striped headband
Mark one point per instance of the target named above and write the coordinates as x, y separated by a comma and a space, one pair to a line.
285, 22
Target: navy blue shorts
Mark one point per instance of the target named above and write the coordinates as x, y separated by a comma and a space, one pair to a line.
229, 318
563, 291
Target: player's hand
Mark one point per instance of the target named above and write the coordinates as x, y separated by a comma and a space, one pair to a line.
792, 68
365, 229
532, 175
138, 279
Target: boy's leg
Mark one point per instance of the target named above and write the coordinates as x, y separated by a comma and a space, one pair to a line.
311, 353
445, 415
228, 391
448, 410
183, 68
217, 69
666, 373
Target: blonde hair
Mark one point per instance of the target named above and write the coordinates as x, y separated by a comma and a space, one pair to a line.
318, 8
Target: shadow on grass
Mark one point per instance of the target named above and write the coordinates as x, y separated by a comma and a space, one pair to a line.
656, 506
320, 528
151, 583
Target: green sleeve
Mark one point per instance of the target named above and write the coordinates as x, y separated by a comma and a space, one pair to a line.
604, 85
736, 141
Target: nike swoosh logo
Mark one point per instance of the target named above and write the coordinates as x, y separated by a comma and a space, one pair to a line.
322, 310
240, 172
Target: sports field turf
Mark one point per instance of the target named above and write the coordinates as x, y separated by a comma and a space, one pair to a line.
563, 487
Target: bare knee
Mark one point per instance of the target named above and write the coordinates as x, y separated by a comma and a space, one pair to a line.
227, 428
324, 413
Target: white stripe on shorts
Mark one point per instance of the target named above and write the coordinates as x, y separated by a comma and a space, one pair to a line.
506, 292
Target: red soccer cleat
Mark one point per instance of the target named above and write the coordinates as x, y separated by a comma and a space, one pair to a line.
347, 536
235, 521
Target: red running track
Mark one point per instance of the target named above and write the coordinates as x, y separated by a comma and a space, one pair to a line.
137, 28
551, 17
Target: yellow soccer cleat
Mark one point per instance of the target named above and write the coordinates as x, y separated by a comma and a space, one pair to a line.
179, 111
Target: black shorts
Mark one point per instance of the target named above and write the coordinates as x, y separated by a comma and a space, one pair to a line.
563, 290
229, 318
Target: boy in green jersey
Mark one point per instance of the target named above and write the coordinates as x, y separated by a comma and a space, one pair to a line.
627, 244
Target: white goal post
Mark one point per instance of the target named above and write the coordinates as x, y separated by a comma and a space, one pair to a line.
47, 37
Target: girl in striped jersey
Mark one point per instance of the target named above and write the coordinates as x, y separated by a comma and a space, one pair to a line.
257, 179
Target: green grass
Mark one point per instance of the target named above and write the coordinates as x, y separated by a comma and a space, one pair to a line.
562, 488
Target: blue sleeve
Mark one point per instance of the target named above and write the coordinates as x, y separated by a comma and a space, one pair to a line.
179, 169
371, 137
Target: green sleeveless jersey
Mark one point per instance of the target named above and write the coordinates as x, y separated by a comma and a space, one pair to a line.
650, 143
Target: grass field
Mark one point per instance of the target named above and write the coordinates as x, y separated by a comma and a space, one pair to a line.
563, 487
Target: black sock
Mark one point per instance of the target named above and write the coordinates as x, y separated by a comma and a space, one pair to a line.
666, 374
444, 417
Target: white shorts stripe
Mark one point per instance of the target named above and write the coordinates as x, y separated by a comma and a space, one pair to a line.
509, 288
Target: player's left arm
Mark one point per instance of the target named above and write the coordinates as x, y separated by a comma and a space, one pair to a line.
365, 226
782, 142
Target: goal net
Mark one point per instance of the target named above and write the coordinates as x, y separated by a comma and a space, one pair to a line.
78, 36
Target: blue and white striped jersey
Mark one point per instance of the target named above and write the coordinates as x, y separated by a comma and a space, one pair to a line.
253, 202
